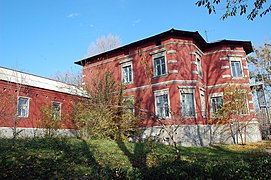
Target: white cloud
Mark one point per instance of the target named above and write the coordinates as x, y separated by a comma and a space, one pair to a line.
136, 22
73, 15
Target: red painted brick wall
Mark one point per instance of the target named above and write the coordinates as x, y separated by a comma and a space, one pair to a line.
38, 98
144, 84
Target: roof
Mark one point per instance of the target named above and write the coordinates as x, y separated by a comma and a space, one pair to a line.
23, 78
173, 32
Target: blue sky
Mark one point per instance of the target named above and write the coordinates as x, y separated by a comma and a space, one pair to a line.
45, 37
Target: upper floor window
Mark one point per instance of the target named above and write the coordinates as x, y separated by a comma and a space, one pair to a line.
159, 66
236, 69
159, 62
56, 111
199, 66
127, 73
162, 104
188, 105
23, 107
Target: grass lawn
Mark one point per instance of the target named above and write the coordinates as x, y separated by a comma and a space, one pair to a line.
72, 158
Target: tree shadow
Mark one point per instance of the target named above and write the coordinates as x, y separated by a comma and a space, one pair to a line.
50, 158
137, 158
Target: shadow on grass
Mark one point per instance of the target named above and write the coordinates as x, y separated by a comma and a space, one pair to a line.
138, 157
48, 158
54, 158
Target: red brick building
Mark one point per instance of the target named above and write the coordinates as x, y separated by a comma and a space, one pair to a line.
22, 97
178, 75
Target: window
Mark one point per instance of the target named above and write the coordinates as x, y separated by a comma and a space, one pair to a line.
243, 104
159, 62
159, 66
199, 66
162, 104
236, 69
56, 111
188, 107
244, 109
203, 104
129, 102
127, 73
216, 103
23, 107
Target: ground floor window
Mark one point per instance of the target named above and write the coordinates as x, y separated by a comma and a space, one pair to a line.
216, 103
162, 104
188, 109
23, 107
56, 111
129, 103
203, 104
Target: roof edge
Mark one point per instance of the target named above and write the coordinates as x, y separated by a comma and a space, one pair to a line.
247, 45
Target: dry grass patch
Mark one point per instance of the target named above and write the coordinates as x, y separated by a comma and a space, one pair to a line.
262, 145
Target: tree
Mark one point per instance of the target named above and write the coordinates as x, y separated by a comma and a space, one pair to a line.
69, 77
104, 43
261, 60
50, 120
233, 111
235, 7
106, 113
10, 107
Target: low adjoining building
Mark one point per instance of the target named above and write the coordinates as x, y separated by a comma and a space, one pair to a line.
27, 101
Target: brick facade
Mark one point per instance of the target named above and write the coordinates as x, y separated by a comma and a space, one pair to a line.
191, 66
23, 96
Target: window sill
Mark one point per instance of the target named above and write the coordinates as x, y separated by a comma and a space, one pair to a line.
162, 118
156, 77
128, 83
237, 78
244, 114
22, 117
189, 117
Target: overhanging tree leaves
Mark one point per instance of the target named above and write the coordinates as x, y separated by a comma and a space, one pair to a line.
237, 7
261, 60
260, 68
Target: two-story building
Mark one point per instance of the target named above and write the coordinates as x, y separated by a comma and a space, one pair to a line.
177, 76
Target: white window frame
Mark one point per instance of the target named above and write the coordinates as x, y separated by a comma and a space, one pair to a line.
214, 95
203, 103
161, 93
155, 56
53, 112
123, 66
188, 90
19, 112
132, 100
199, 66
246, 106
239, 60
